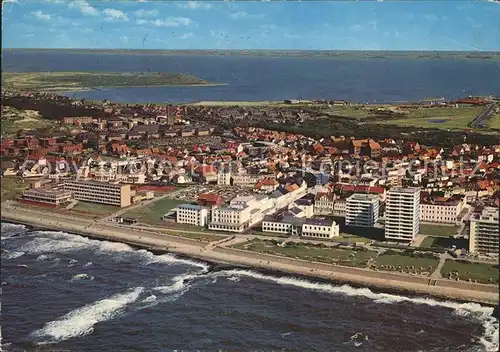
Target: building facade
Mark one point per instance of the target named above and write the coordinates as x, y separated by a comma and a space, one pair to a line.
442, 211
192, 215
48, 196
99, 192
320, 228
484, 232
323, 203
402, 213
362, 210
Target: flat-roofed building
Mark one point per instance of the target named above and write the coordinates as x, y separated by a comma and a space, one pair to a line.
484, 232
242, 213
402, 213
283, 224
192, 214
362, 210
48, 196
99, 192
320, 228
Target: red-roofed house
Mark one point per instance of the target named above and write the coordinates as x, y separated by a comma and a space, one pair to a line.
209, 199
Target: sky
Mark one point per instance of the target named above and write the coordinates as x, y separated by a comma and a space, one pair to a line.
282, 25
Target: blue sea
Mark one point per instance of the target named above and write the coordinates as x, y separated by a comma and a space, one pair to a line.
264, 78
66, 292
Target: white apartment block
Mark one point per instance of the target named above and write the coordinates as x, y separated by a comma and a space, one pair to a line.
442, 211
339, 207
48, 196
402, 213
99, 192
484, 232
224, 178
190, 214
320, 228
362, 210
242, 213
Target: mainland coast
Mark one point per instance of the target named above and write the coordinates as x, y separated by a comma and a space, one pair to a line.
220, 254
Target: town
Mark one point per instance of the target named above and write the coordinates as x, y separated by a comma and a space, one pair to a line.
202, 171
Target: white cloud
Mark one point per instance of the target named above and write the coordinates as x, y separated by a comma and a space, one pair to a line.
141, 22
41, 16
146, 13
10, 1
124, 38
172, 22
112, 14
243, 14
187, 35
194, 5
84, 7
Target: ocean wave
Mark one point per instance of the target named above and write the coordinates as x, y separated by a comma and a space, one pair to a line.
81, 321
8, 230
489, 340
81, 276
6, 254
172, 259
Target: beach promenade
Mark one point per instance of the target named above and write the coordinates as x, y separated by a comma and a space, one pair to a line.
219, 252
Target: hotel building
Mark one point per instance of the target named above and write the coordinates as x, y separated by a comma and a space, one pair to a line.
99, 192
362, 210
192, 214
402, 213
484, 232
320, 228
442, 210
48, 196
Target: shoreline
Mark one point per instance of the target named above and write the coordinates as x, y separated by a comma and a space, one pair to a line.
218, 257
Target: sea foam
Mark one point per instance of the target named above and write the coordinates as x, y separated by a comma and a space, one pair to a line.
81, 321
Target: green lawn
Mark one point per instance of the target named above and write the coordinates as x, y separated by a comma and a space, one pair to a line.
495, 122
438, 230
404, 259
309, 252
12, 187
95, 208
152, 212
474, 271
356, 112
444, 118
204, 237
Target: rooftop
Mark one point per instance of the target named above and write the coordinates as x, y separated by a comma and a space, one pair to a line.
406, 190
363, 197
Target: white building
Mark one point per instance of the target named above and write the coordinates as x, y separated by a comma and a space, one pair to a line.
242, 213
442, 211
99, 192
362, 210
224, 178
289, 194
192, 214
339, 207
282, 224
324, 203
402, 213
320, 228
245, 180
484, 232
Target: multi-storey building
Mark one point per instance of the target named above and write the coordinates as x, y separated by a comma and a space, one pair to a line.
99, 192
362, 210
339, 207
320, 228
323, 203
246, 180
484, 232
242, 213
442, 210
192, 214
402, 213
48, 196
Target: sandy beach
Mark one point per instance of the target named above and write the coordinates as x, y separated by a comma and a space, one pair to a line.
218, 253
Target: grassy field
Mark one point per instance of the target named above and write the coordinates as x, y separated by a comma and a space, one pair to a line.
308, 252
345, 237
495, 122
14, 120
95, 208
406, 260
152, 212
349, 111
12, 187
439, 117
69, 81
204, 237
265, 103
438, 230
474, 271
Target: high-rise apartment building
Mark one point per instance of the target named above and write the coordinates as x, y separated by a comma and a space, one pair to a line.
99, 192
484, 232
362, 210
402, 213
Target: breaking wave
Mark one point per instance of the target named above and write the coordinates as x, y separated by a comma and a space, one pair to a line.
6, 254
490, 338
81, 321
11, 230
82, 276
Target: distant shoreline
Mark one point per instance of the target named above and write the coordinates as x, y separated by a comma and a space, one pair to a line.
388, 282
270, 53
97, 89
